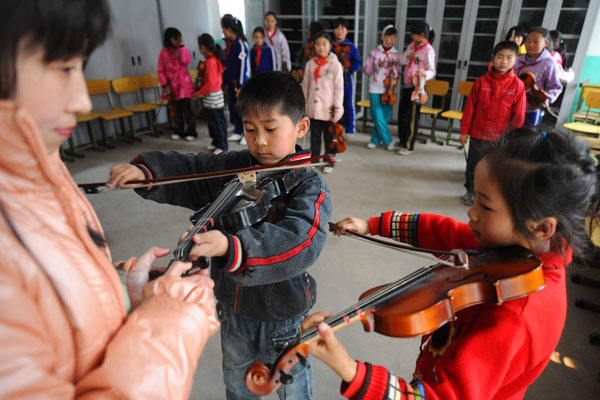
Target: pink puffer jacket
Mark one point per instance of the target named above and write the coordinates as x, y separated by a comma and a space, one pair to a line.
64, 331
173, 70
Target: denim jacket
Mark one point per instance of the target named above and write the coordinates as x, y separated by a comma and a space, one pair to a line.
264, 275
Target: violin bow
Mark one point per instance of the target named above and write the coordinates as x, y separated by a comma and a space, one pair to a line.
92, 188
459, 257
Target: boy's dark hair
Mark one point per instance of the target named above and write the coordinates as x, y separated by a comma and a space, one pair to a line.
270, 13
314, 28
170, 33
259, 29
340, 21
231, 22
422, 27
207, 41
61, 28
269, 91
516, 30
506, 45
322, 34
540, 29
547, 174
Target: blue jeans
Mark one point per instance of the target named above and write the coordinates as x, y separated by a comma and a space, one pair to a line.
381, 114
217, 128
245, 340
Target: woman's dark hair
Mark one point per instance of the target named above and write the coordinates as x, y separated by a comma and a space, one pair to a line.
170, 33
259, 29
231, 22
517, 30
61, 28
557, 44
322, 34
422, 27
269, 91
207, 41
547, 174
314, 28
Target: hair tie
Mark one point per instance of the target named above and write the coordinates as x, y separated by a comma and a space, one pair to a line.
543, 133
390, 26
235, 20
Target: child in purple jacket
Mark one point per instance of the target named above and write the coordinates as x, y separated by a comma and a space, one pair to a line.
538, 61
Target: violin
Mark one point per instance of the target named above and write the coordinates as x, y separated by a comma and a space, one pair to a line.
417, 304
336, 131
536, 97
200, 76
419, 95
389, 96
342, 51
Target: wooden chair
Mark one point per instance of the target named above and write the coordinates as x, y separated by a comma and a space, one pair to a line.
194, 74
365, 104
434, 88
588, 126
150, 83
100, 87
122, 86
585, 115
464, 89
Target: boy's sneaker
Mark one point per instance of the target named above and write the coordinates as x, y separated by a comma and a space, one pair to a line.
230, 129
210, 147
327, 170
390, 147
175, 136
243, 141
234, 138
217, 151
468, 199
190, 138
403, 151
371, 145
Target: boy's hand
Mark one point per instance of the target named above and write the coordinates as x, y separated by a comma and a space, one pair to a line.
329, 349
351, 223
209, 244
421, 72
463, 139
120, 174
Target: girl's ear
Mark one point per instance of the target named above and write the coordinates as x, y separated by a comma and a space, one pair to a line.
302, 127
544, 228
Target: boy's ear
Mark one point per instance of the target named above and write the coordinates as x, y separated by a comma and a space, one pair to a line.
544, 228
302, 127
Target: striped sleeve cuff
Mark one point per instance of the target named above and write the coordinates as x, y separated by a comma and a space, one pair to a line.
404, 228
144, 169
381, 225
234, 255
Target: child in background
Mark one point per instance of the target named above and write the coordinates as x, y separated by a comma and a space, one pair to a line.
277, 41
237, 70
347, 54
323, 88
307, 50
382, 63
262, 57
534, 190
517, 35
558, 51
260, 272
496, 105
212, 94
176, 82
538, 61
420, 59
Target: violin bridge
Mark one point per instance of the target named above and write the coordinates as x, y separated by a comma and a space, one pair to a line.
244, 177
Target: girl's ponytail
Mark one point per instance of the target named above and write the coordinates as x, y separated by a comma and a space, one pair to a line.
422, 27
207, 41
231, 22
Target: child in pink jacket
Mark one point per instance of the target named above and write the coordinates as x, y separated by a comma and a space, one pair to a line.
177, 84
323, 88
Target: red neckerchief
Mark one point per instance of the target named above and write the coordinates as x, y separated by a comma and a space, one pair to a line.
320, 62
417, 48
528, 65
229, 43
270, 37
258, 51
385, 52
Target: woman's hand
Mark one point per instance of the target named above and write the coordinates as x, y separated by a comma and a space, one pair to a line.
353, 224
329, 349
120, 174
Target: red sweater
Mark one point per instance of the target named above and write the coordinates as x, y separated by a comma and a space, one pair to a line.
496, 105
213, 79
489, 351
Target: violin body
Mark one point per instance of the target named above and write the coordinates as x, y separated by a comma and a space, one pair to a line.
336, 133
419, 95
389, 96
416, 304
343, 52
536, 97
200, 76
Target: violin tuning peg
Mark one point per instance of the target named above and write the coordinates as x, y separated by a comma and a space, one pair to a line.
302, 359
285, 378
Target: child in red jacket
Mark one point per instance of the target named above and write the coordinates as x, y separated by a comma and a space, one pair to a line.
533, 189
496, 105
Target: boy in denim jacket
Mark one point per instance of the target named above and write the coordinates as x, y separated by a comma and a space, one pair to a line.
260, 272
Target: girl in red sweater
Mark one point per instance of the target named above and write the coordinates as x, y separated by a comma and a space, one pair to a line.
211, 92
533, 189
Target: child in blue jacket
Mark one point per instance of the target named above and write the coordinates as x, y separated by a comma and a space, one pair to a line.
262, 56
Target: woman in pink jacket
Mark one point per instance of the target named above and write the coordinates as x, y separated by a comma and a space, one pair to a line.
67, 328
323, 88
176, 82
